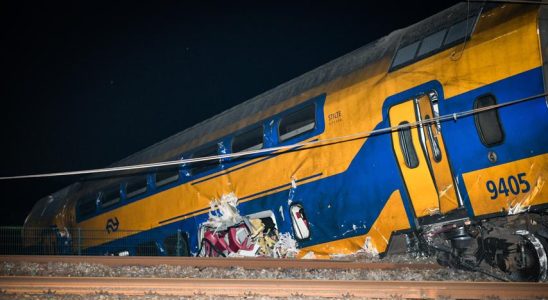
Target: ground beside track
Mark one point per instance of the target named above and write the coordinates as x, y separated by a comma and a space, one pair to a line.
19, 267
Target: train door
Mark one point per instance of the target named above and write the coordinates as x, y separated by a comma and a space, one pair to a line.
421, 156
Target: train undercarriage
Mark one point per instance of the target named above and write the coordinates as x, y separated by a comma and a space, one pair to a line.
515, 244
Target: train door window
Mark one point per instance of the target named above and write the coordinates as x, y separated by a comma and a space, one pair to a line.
435, 107
136, 186
433, 139
110, 197
405, 54
166, 176
300, 223
297, 123
203, 166
432, 42
87, 205
248, 140
407, 148
487, 122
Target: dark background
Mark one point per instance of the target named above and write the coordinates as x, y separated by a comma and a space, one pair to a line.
86, 83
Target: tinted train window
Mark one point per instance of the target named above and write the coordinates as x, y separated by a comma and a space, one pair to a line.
407, 147
87, 205
458, 31
405, 54
249, 140
199, 167
167, 176
110, 197
136, 186
487, 122
431, 42
297, 123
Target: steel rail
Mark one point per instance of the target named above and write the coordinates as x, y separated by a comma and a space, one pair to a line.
224, 262
270, 287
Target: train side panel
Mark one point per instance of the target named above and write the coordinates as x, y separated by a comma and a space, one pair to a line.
353, 192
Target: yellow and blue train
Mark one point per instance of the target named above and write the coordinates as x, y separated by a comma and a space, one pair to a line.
452, 157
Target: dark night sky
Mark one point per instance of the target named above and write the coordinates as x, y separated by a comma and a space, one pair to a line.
86, 83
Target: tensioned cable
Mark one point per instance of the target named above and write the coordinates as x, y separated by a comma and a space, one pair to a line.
267, 151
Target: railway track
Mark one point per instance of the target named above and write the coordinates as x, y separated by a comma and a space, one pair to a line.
224, 262
267, 287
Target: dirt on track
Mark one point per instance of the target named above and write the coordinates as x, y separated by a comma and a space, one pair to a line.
239, 268
272, 288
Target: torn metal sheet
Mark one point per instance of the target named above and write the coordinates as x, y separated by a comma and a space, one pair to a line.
227, 233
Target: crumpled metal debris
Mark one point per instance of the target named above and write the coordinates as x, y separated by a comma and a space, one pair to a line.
227, 233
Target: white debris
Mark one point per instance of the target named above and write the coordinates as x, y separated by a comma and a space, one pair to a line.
282, 213
293, 182
246, 253
518, 208
286, 246
309, 255
292, 191
223, 213
369, 249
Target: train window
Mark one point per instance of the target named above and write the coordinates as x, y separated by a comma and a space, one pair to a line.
136, 186
457, 32
248, 140
405, 54
407, 147
431, 42
203, 166
300, 223
110, 197
433, 139
168, 176
297, 123
87, 205
487, 122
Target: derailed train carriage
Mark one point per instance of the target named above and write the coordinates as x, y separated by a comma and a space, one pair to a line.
437, 142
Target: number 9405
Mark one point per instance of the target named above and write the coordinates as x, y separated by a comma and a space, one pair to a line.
508, 185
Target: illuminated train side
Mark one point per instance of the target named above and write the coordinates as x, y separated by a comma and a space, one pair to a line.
460, 187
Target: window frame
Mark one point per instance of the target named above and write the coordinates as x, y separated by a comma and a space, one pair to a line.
247, 130
176, 172
293, 112
112, 202
136, 193
497, 118
203, 169
92, 199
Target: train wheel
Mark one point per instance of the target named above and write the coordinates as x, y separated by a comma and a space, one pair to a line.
528, 262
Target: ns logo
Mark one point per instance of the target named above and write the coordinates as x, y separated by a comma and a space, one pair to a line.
112, 225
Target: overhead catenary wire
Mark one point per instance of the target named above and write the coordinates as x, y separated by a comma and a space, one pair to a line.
270, 150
